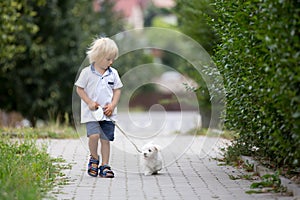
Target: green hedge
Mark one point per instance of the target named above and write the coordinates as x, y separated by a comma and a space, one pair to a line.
258, 55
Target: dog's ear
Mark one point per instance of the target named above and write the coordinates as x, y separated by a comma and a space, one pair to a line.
156, 147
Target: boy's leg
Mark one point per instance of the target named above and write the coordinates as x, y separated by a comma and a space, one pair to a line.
105, 151
105, 170
93, 165
93, 145
106, 136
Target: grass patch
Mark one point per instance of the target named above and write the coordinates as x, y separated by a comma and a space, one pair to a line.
51, 131
212, 133
26, 170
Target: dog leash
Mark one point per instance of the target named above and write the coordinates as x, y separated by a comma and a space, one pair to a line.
128, 138
98, 114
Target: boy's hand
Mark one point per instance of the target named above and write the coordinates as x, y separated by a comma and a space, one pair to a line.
108, 109
93, 105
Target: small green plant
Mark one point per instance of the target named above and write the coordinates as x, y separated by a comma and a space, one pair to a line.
248, 166
269, 183
244, 177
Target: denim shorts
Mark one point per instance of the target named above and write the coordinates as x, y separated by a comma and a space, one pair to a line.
106, 129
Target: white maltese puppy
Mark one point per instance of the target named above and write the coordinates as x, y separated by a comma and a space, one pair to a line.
151, 160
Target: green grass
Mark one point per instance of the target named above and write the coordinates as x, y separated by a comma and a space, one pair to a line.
51, 131
211, 133
26, 170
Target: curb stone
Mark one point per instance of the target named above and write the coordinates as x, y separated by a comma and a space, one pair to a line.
261, 170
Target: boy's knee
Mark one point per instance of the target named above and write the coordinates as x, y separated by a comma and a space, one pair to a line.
94, 136
104, 141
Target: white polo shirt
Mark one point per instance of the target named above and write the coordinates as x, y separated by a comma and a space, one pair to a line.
99, 88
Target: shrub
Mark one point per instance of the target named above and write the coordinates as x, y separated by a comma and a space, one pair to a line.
258, 56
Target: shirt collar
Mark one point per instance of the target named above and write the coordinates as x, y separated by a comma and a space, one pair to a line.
97, 73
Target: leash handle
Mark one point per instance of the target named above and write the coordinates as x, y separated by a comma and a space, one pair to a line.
138, 150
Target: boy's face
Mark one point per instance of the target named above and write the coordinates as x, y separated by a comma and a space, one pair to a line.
106, 62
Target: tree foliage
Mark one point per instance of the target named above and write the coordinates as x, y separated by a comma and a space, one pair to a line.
50, 38
17, 24
258, 55
192, 20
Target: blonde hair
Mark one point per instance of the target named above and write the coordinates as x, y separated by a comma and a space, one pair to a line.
101, 48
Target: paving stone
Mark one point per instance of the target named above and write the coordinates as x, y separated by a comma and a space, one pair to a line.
192, 175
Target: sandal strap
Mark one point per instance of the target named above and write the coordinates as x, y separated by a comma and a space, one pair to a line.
103, 167
93, 171
105, 170
94, 161
93, 168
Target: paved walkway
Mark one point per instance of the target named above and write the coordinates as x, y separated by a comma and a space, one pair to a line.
189, 172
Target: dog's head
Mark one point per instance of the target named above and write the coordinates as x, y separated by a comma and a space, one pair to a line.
150, 150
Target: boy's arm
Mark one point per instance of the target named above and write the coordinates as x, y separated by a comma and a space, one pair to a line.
109, 108
82, 94
116, 97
